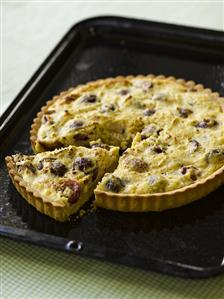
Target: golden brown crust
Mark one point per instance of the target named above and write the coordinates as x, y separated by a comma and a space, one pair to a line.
159, 201
46, 207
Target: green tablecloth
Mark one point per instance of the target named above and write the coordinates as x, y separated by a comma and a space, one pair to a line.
28, 271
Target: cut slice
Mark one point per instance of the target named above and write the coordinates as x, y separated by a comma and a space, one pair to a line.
59, 182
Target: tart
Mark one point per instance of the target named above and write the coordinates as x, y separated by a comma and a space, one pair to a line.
170, 131
57, 183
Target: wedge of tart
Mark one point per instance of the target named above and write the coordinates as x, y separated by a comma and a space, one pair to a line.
57, 183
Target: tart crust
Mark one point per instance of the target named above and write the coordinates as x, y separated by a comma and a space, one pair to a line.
141, 202
159, 201
48, 208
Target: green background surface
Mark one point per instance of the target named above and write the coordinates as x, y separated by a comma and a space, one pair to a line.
29, 271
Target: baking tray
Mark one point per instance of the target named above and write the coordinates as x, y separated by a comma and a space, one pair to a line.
188, 241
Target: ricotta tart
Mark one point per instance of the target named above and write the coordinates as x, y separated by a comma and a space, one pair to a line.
171, 133
59, 182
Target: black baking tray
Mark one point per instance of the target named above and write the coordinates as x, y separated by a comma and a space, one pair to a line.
188, 241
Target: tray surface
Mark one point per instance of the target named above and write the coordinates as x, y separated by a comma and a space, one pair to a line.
188, 241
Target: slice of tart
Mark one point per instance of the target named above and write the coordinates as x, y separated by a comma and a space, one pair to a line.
57, 183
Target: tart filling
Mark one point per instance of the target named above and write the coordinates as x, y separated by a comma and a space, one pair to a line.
114, 110
58, 183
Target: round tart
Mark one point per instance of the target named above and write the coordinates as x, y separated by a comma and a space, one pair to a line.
59, 182
171, 132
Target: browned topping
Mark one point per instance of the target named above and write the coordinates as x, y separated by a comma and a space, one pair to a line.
184, 170
95, 173
193, 177
49, 111
76, 190
58, 168
81, 137
137, 165
194, 171
89, 98
40, 165
139, 105
143, 137
48, 119
70, 98
101, 145
25, 165
215, 153
149, 112
184, 112
76, 124
108, 108
193, 88
195, 144
114, 184
158, 131
158, 150
82, 164
124, 92
206, 123
30, 166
